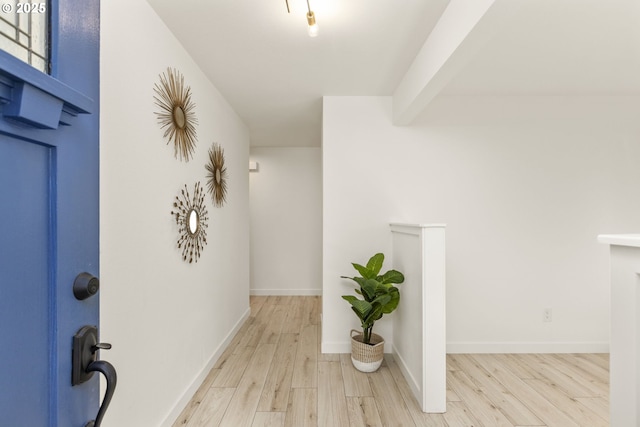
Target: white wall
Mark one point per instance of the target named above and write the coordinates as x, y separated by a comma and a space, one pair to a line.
286, 221
167, 320
524, 185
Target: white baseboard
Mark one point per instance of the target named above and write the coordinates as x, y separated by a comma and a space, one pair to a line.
527, 347
195, 384
299, 292
411, 380
496, 347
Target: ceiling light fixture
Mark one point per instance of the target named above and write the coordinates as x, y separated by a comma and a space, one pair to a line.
311, 20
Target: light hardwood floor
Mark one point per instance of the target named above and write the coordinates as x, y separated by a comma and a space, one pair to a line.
273, 374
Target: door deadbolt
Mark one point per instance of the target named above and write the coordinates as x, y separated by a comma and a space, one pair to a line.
86, 285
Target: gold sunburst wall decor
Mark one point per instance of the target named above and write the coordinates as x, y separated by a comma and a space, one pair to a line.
176, 116
217, 175
191, 216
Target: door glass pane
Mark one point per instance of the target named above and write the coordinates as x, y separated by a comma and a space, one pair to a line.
24, 31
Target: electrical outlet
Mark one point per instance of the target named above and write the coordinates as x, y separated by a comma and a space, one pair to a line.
547, 315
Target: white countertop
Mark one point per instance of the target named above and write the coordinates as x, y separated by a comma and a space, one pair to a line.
620, 239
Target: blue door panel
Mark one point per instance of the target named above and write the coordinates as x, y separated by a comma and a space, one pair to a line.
25, 293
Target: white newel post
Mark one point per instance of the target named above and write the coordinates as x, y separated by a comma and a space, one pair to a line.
624, 363
419, 324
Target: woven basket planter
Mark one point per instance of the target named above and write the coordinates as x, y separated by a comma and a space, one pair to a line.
366, 357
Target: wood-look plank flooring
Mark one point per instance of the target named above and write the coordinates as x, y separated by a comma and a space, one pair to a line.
273, 374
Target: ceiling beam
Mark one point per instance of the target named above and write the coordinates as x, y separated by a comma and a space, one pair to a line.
462, 30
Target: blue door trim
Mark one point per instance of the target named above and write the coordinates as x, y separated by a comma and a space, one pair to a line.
36, 99
12, 67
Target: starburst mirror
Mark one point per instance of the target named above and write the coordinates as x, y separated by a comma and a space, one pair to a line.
191, 216
176, 115
217, 175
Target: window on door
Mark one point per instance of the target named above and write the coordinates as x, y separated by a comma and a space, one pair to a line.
24, 31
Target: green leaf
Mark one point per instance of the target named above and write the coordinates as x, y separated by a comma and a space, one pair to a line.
369, 289
364, 271
382, 288
375, 264
361, 308
393, 303
358, 280
382, 300
360, 315
373, 315
392, 276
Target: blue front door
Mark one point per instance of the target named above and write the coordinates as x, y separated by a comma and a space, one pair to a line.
49, 169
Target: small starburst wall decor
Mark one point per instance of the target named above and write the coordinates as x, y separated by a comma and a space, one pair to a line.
176, 116
191, 216
217, 175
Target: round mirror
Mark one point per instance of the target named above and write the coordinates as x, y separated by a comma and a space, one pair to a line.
179, 117
193, 221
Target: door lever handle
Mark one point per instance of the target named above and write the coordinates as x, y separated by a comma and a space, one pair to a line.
109, 372
85, 362
100, 346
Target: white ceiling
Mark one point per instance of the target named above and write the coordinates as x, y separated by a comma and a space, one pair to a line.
560, 47
274, 75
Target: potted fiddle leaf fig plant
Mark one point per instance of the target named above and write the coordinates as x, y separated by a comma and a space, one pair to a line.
379, 296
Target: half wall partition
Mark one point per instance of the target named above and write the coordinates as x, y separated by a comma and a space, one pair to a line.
419, 325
